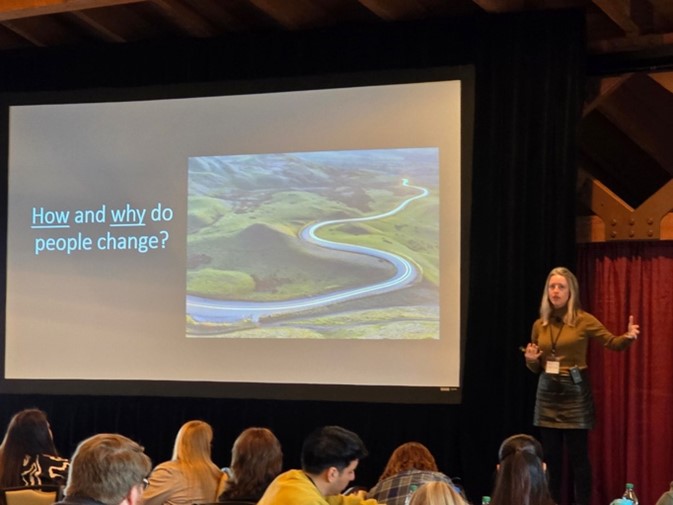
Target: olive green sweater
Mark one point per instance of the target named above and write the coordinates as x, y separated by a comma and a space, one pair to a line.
571, 341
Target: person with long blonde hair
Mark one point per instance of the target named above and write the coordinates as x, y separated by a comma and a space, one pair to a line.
409, 466
190, 476
437, 493
564, 408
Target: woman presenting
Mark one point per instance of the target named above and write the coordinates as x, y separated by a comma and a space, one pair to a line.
564, 408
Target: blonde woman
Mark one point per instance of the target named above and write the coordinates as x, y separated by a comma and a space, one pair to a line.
190, 476
437, 493
564, 408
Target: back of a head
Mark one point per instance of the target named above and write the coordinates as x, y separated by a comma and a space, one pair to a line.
258, 449
520, 442
29, 429
28, 433
193, 443
105, 467
521, 478
436, 493
409, 456
331, 446
256, 459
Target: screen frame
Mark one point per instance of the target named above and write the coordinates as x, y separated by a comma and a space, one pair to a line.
334, 392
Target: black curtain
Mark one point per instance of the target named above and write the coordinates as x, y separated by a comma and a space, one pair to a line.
528, 103
529, 72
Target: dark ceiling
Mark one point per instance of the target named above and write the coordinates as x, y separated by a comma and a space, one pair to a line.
625, 133
612, 25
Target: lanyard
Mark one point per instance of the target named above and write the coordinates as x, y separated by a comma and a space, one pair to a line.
554, 339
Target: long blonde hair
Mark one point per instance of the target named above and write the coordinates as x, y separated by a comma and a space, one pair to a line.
574, 306
436, 493
192, 451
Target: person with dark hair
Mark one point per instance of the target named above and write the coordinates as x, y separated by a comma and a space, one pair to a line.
256, 459
521, 476
564, 408
520, 442
28, 456
107, 469
410, 464
329, 457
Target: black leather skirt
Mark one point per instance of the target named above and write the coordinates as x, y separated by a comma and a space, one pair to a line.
560, 403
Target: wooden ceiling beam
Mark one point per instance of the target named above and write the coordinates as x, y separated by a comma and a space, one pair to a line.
98, 26
185, 18
608, 85
620, 221
501, 5
498, 6
393, 10
17, 9
663, 8
620, 45
24, 33
42, 32
292, 15
619, 11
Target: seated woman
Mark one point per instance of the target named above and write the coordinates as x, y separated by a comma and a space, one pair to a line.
667, 497
256, 459
28, 456
521, 476
437, 493
411, 464
190, 476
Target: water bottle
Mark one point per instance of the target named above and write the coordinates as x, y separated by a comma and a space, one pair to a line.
630, 494
485, 500
412, 488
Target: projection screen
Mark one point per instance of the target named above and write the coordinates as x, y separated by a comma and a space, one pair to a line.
306, 243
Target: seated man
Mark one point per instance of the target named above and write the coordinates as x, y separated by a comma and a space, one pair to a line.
107, 469
329, 457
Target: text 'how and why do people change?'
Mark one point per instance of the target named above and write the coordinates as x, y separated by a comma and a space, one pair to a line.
127, 229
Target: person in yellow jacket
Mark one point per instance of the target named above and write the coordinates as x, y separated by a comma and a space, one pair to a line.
329, 457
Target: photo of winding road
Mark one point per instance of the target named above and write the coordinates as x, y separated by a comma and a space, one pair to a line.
315, 245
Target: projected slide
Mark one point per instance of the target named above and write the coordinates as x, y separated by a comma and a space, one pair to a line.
331, 244
302, 237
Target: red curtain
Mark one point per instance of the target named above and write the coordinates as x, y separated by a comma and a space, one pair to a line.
633, 390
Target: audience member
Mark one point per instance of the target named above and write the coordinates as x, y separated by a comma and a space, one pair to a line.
190, 476
107, 469
521, 477
437, 493
28, 456
256, 459
666, 498
411, 464
329, 457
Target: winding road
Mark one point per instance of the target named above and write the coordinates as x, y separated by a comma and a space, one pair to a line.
205, 310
